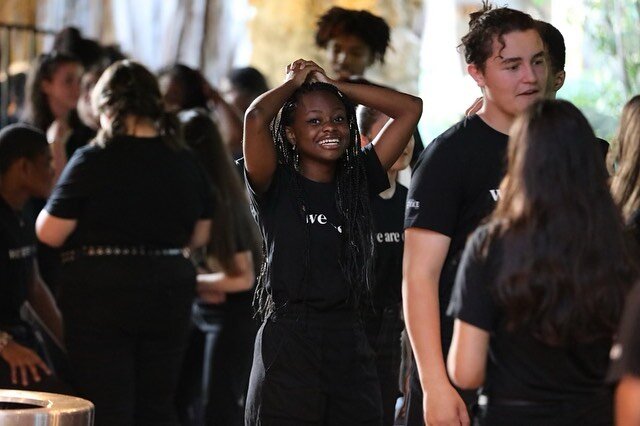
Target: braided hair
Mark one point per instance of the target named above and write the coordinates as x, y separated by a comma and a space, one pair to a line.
127, 88
352, 201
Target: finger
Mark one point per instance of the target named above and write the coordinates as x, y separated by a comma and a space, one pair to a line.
14, 374
40, 363
34, 372
23, 375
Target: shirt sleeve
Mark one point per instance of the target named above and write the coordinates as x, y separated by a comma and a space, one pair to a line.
376, 174
436, 191
74, 186
471, 300
625, 354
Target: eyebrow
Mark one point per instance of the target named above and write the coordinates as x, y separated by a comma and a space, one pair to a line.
319, 110
518, 59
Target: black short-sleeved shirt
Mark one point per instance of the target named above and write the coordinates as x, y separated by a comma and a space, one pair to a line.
519, 366
283, 228
133, 191
17, 254
625, 354
453, 188
388, 235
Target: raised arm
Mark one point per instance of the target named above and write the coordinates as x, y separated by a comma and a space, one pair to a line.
260, 158
405, 111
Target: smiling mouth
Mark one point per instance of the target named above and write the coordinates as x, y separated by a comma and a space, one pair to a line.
330, 143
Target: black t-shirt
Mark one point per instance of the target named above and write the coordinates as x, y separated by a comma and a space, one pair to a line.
134, 191
453, 188
17, 253
519, 366
625, 354
388, 235
284, 228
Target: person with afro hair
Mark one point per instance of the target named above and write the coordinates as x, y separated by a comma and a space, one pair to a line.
353, 39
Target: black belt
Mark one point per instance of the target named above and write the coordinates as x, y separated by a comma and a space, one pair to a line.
91, 251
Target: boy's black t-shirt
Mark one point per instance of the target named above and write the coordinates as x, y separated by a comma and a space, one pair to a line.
453, 188
17, 254
519, 366
388, 236
133, 191
285, 229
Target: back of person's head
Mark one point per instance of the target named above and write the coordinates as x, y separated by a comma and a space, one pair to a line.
554, 41
249, 80
367, 117
567, 268
69, 40
626, 181
126, 89
233, 227
20, 141
488, 24
182, 87
371, 29
37, 111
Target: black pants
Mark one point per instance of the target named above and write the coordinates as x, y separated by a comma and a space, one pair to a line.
384, 329
126, 322
313, 369
595, 410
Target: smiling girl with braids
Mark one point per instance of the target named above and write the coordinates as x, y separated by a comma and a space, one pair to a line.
310, 185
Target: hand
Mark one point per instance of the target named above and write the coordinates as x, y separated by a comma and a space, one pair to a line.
214, 297
300, 70
23, 361
443, 407
320, 77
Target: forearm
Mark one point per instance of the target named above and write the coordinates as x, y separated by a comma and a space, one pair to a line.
44, 305
226, 282
626, 405
388, 101
422, 319
404, 110
222, 282
265, 107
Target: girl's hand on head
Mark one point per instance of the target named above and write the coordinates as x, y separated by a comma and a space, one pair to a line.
300, 70
319, 76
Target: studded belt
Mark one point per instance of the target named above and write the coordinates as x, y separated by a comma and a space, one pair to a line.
92, 251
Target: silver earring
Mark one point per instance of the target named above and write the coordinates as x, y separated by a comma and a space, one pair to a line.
296, 159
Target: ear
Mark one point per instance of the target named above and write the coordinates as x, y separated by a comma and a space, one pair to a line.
364, 140
476, 74
558, 80
291, 137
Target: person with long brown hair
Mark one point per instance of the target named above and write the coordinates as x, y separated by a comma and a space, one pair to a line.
625, 187
541, 287
127, 209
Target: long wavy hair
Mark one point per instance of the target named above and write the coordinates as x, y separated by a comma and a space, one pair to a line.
128, 89
233, 229
37, 111
352, 200
625, 185
567, 270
